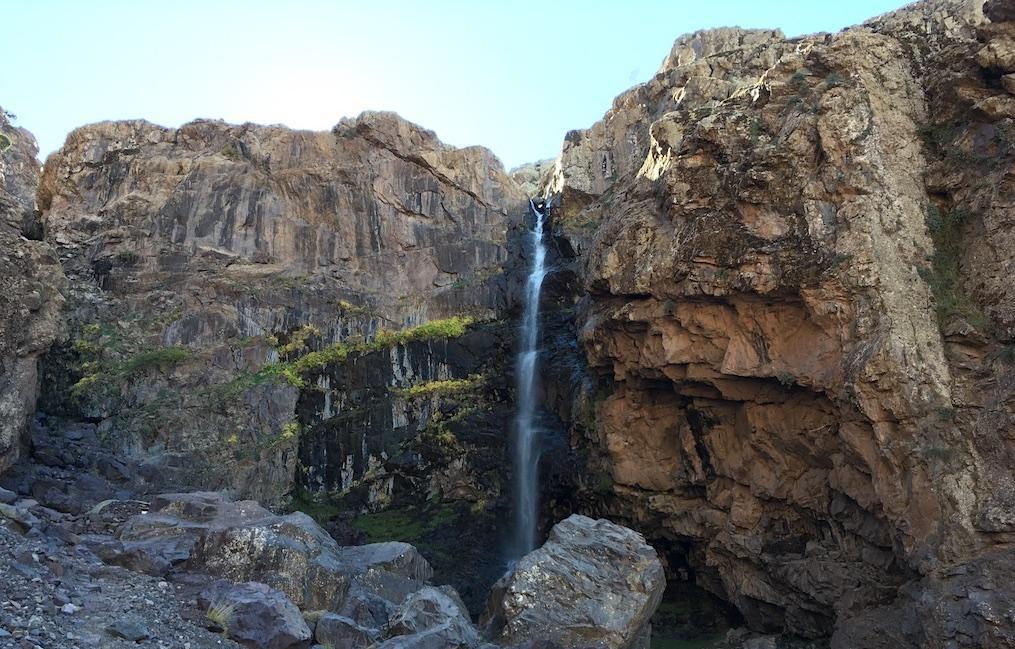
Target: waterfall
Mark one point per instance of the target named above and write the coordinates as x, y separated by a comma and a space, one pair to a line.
526, 452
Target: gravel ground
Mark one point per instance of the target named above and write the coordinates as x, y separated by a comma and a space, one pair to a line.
55, 594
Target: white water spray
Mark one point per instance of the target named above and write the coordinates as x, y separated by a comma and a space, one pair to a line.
526, 451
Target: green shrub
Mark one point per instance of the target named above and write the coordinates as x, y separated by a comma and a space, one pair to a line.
443, 387
102, 371
231, 151
5, 143
944, 274
434, 330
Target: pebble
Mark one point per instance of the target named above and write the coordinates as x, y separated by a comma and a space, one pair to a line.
69, 609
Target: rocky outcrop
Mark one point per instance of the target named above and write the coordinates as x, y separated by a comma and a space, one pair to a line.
531, 176
592, 584
202, 257
30, 288
797, 310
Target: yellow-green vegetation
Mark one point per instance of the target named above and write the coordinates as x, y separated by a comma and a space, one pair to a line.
352, 309
5, 142
221, 615
297, 340
97, 366
443, 387
225, 392
434, 330
944, 274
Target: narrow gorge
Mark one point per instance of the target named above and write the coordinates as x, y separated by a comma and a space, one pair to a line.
735, 370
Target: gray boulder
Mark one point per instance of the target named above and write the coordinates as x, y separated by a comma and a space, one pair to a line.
340, 632
592, 584
242, 541
255, 615
434, 611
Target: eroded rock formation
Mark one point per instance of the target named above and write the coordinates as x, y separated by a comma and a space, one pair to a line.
30, 288
796, 255
200, 255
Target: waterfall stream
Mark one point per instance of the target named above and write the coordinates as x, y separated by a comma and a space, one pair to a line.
526, 455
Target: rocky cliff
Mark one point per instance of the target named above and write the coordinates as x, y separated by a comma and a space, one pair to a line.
201, 255
795, 257
780, 333
30, 288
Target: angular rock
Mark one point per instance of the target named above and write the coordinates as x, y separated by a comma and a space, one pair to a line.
243, 541
434, 612
255, 615
129, 628
593, 583
340, 632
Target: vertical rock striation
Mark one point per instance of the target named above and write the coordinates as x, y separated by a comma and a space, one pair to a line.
204, 258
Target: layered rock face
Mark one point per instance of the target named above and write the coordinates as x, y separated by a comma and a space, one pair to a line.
199, 256
796, 258
31, 281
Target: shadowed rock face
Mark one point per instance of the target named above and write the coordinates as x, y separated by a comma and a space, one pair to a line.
30, 285
196, 254
797, 307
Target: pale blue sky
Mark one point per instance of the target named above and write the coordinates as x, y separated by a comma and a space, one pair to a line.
513, 76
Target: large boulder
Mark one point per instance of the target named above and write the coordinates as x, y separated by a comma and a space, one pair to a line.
242, 541
592, 584
255, 615
432, 613
341, 632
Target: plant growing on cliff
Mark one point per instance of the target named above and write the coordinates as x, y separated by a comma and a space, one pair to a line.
100, 370
297, 340
5, 143
944, 275
434, 330
443, 387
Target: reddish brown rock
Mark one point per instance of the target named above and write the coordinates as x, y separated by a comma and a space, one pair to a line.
798, 306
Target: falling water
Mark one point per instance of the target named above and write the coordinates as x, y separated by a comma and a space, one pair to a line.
526, 452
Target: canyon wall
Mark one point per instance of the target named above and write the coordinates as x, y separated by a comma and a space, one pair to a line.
31, 282
205, 261
795, 258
